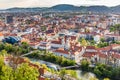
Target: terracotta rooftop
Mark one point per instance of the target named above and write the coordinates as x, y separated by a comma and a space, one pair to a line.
116, 55
34, 43
90, 47
108, 48
89, 55
56, 42
103, 55
61, 50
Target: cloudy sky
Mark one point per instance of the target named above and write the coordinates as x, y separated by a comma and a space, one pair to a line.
47, 3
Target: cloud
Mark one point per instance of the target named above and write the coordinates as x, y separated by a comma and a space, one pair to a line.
46, 3
27, 3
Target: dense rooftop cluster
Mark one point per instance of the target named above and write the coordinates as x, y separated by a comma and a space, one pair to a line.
89, 36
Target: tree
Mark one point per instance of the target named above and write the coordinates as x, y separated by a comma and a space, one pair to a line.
83, 42
6, 73
45, 67
72, 73
8, 47
3, 52
102, 44
59, 60
103, 70
25, 45
93, 78
25, 72
97, 72
115, 28
40, 38
64, 62
116, 73
1, 46
102, 40
84, 65
92, 42
106, 79
62, 73
52, 58
1, 61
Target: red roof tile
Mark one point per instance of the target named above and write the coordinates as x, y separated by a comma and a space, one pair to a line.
90, 47
56, 42
62, 51
115, 55
103, 55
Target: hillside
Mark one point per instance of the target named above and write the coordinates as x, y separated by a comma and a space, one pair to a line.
66, 7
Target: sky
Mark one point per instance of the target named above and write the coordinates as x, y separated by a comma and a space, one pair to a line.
4, 4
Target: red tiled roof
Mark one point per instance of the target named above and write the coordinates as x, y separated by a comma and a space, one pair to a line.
44, 45
33, 43
56, 42
89, 55
73, 37
115, 55
1, 34
103, 55
105, 48
62, 51
108, 47
77, 48
90, 47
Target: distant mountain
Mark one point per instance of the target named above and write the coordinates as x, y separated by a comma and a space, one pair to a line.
102, 9
16, 9
98, 9
66, 7
116, 9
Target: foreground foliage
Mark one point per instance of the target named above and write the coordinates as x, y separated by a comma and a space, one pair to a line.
22, 72
70, 73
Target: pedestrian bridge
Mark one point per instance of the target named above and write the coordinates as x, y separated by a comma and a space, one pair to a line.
71, 67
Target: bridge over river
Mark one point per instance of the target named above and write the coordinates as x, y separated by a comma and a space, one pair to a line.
71, 67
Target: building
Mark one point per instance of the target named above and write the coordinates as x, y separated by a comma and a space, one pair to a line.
8, 19
75, 54
44, 45
1, 36
12, 39
34, 45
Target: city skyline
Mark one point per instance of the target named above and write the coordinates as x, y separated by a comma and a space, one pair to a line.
48, 3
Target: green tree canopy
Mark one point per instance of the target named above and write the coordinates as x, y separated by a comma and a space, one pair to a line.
115, 28
3, 52
84, 65
83, 42
6, 73
25, 72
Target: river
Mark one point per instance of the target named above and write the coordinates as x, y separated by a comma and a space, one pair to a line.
80, 74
